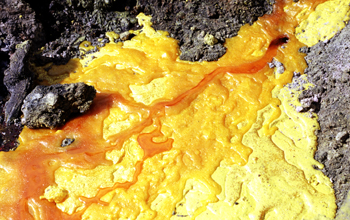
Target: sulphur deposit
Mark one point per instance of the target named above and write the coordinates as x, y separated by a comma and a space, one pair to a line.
169, 139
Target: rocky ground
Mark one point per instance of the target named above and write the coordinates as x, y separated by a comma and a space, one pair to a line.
329, 69
18, 25
51, 31
56, 28
201, 26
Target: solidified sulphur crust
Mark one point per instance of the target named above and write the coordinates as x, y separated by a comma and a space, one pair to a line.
168, 139
322, 24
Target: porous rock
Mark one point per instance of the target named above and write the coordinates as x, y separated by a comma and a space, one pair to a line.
329, 70
99, 4
69, 23
17, 24
201, 26
51, 106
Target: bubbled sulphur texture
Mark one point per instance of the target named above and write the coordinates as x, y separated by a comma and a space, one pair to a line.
169, 139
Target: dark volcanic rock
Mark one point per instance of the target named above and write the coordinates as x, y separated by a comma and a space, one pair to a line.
201, 26
4, 62
68, 23
8, 133
62, 25
100, 4
329, 69
51, 106
19, 31
18, 24
18, 80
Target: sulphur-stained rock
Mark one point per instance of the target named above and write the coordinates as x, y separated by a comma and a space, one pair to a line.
52, 106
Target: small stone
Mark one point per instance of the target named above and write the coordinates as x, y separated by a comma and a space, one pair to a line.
279, 66
210, 39
299, 108
133, 20
125, 35
296, 74
51, 106
124, 23
342, 136
67, 141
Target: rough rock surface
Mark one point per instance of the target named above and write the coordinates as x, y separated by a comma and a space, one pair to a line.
18, 80
100, 4
201, 26
15, 84
61, 26
18, 24
329, 69
51, 106
4, 62
8, 132
68, 23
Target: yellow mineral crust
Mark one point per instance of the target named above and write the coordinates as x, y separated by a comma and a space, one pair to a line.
239, 150
322, 24
83, 182
213, 133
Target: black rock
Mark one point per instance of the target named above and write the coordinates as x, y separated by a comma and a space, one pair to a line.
18, 81
52, 106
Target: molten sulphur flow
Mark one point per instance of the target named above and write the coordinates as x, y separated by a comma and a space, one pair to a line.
169, 139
